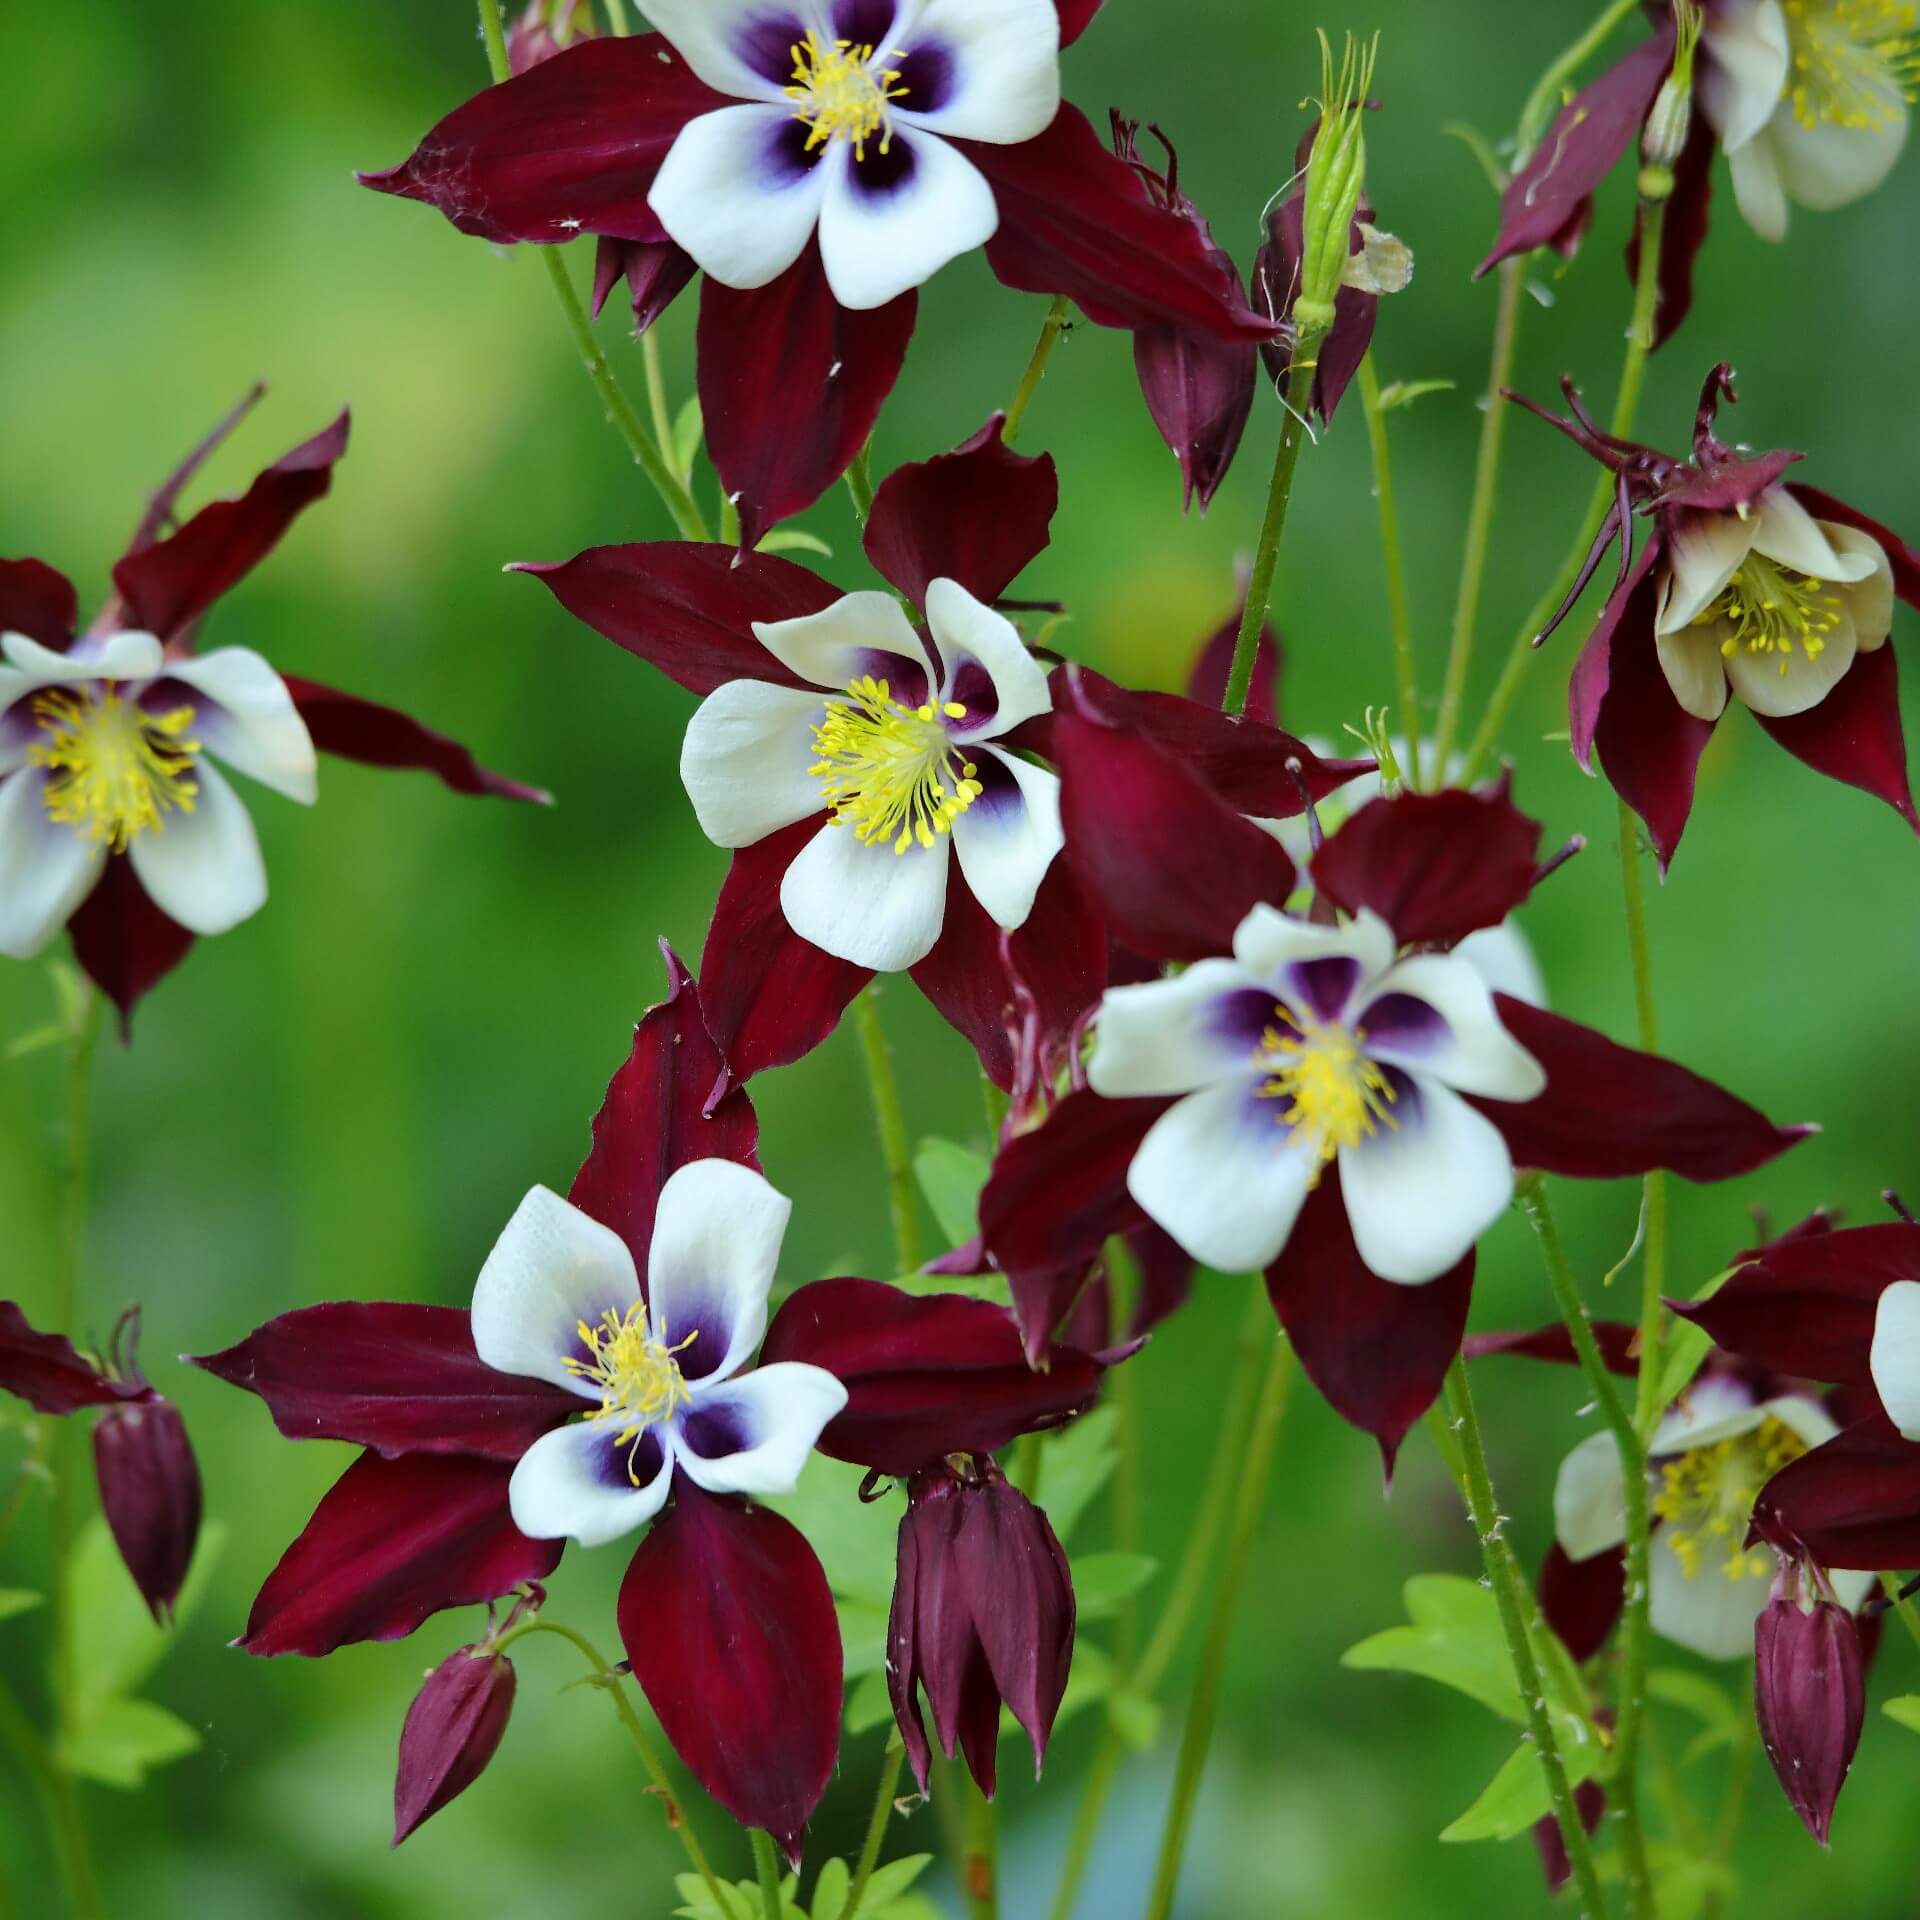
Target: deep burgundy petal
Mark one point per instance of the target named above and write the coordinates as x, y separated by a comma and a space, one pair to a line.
1377, 1351
453, 1728
1904, 560
662, 1110
1609, 1111
1554, 1343
1434, 866
38, 602
729, 1623
791, 383
571, 146
903, 1640
1683, 232
169, 584
1166, 1278
1854, 734
966, 979
1810, 1699
926, 1375
657, 273
1075, 18
1854, 1502
46, 1371
1626, 619
393, 1543
1076, 220
123, 943
770, 996
1581, 1599
1207, 683
394, 1377
1199, 390
687, 606
356, 729
150, 1494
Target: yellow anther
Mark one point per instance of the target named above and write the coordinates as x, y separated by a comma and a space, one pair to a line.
839, 94
890, 771
1772, 609
115, 770
1706, 1495
1851, 61
638, 1378
1335, 1095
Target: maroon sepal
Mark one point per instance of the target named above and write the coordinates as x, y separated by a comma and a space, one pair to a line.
1809, 1697
791, 383
1378, 1352
1434, 866
569, 147
1075, 18
926, 1374
393, 1543
979, 515
453, 1728
1213, 665
1854, 735
686, 606
1581, 1599
122, 942
1854, 1502
983, 1615
1609, 1111
1616, 1339
1682, 233
664, 1108
395, 1377
1627, 617
1075, 220
150, 1494
657, 273
1276, 285
37, 601
354, 729
728, 1621
167, 586
50, 1374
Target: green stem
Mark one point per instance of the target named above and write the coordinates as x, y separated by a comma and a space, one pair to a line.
1051, 329
1394, 566
617, 18
61, 1804
1733, 1806
767, 1866
1123, 1281
876, 1826
657, 403
1623, 1786
980, 1873
860, 483
647, 456
1510, 1593
1086, 1822
1544, 101
890, 1119
1266, 557
1890, 1585
1256, 1466
1486, 483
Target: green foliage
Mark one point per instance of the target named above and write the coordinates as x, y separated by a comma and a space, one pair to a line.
18, 1600
1708, 1702
951, 1177
1517, 1795
889, 1895
1905, 1709
1101, 1581
1075, 1465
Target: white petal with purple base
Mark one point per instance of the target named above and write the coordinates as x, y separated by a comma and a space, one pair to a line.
575, 1484
892, 221
966, 629
247, 717
1466, 1046
46, 870
1008, 838
716, 1243
1171, 1036
204, 868
753, 1434
837, 645
745, 761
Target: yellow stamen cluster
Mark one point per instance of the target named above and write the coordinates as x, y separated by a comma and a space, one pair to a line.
1851, 60
1334, 1093
889, 771
1706, 1498
1772, 609
839, 94
638, 1378
116, 769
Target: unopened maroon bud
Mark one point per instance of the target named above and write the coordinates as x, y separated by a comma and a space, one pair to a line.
983, 1615
452, 1730
150, 1493
1809, 1696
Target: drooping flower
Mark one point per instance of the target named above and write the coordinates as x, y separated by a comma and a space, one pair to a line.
115, 819
1809, 1693
1747, 586
820, 159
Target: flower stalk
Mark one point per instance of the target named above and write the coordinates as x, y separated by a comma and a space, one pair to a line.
767, 1868
1051, 328
1394, 564
890, 1120
876, 1825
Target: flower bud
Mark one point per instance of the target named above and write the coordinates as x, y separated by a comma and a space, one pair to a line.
452, 1730
1336, 180
1809, 1696
150, 1493
1664, 137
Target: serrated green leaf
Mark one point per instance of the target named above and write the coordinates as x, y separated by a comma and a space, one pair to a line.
1136, 1718
1075, 1465
951, 1177
1101, 1581
868, 1704
106, 1615
1517, 1795
830, 1891
794, 540
123, 1739
18, 1600
854, 1538
689, 429
1905, 1709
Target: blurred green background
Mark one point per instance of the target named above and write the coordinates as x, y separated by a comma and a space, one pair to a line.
348, 1095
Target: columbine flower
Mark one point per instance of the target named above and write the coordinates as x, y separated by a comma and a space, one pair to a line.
1746, 585
1809, 1692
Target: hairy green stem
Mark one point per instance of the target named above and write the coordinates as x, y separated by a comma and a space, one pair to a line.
657, 403
876, 1825
1394, 567
980, 1870
860, 483
61, 1803
767, 1867
1051, 328
890, 1119
1511, 1595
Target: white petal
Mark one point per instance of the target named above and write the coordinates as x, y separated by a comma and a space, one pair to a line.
1267, 941
736, 46
1695, 668
204, 868
716, 1242
1758, 188
966, 630
1001, 69
1590, 1498
1895, 1355
1421, 1192
1706, 550
1503, 957
1868, 595
46, 870
887, 225
1008, 838
1714, 1409
1744, 70
1171, 1036
252, 724
1223, 1176
115, 656
745, 758
574, 1484
1785, 531
839, 644
753, 1435
1785, 683
1828, 166
1708, 1614
869, 906
731, 192
553, 1270
1472, 1050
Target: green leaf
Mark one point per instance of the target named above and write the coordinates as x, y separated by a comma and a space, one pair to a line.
1685, 1353
863, 1636
1455, 1638
869, 1705
18, 1600
1136, 1718
794, 540
1101, 1581
107, 1617
951, 1177
1906, 1710
742, 1898
1517, 1795
1403, 393
890, 1882
1682, 1881
122, 1739
854, 1538
1075, 1464
688, 432
830, 1891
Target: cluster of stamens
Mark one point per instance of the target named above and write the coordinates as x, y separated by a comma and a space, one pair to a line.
839, 94
1769, 608
637, 1376
890, 771
1852, 60
1335, 1094
1706, 1496
115, 770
